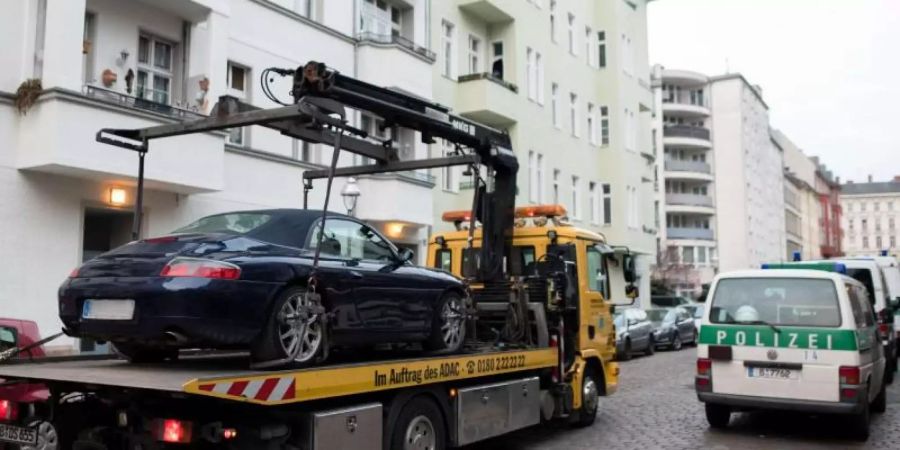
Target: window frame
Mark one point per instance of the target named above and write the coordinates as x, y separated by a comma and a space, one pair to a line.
315, 225
152, 71
448, 46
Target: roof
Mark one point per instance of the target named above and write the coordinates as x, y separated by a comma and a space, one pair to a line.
738, 76
882, 187
783, 273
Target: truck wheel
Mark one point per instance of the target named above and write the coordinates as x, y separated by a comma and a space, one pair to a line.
448, 327
718, 416
590, 400
859, 423
48, 438
879, 405
292, 329
138, 353
420, 426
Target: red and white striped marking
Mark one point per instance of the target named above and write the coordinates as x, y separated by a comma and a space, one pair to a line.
266, 390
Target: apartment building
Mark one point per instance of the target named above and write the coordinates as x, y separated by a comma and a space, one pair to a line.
801, 201
685, 180
828, 188
871, 216
569, 81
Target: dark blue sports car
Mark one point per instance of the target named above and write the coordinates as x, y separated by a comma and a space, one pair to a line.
241, 280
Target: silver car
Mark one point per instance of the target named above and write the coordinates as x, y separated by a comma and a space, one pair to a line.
634, 333
673, 327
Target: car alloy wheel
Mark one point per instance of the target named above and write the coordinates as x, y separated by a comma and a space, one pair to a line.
299, 327
48, 438
452, 322
676, 343
420, 434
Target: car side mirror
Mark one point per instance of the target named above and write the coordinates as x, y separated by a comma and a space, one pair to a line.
405, 255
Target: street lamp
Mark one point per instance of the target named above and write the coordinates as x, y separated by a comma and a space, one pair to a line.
350, 194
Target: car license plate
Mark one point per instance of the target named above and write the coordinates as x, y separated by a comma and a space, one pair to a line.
108, 309
773, 372
18, 435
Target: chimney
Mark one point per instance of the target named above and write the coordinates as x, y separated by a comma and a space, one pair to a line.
870, 178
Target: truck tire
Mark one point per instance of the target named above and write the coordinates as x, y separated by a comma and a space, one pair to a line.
282, 332
448, 326
879, 405
138, 353
718, 416
590, 400
419, 426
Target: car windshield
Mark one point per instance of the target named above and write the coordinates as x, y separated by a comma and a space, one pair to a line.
231, 223
776, 301
661, 315
7, 338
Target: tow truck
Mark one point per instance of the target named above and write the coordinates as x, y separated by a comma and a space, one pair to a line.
539, 349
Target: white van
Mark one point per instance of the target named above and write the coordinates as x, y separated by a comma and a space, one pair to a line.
790, 339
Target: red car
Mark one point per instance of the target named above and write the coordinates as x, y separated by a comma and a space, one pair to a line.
23, 405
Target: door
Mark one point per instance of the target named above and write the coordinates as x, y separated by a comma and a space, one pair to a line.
639, 328
685, 326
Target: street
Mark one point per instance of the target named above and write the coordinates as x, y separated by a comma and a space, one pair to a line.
656, 408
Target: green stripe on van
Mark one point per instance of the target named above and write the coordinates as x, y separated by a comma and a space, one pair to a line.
789, 337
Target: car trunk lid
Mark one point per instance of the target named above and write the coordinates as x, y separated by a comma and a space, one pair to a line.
147, 257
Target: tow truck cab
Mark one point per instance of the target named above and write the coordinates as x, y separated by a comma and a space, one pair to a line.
595, 271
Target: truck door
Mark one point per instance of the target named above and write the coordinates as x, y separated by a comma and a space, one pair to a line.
596, 320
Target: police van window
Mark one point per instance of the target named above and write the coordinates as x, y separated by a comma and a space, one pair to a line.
443, 259
866, 304
856, 306
596, 271
778, 301
864, 276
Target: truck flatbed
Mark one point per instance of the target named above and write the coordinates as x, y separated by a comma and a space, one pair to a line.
226, 376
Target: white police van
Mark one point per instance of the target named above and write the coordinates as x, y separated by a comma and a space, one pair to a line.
802, 339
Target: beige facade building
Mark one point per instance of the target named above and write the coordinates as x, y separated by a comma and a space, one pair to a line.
802, 206
871, 217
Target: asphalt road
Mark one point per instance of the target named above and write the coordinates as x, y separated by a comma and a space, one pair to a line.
656, 408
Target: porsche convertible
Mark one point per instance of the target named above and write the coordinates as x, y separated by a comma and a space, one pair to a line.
242, 280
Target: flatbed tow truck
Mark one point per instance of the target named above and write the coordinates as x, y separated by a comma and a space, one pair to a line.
530, 356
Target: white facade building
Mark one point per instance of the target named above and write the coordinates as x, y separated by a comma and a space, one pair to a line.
871, 221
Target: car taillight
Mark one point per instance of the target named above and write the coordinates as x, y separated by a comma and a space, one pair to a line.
704, 367
201, 268
173, 431
884, 330
849, 375
9, 410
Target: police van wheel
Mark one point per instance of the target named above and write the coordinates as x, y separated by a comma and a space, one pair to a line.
718, 416
859, 424
879, 405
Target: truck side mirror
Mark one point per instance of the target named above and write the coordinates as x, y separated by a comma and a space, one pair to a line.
628, 268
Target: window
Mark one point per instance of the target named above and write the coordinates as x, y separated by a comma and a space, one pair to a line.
302, 151
540, 177
449, 174
474, 54
778, 301
573, 113
891, 223
596, 270
348, 239
687, 255
572, 49
877, 205
530, 82
383, 20
553, 20
604, 125
592, 129
878, 243
447, 35
556, 186
539, 65
865, 240
893, 241
497, 61
588, 53
607, 204
155, 68
554, 104
630, 130
601, 49
633, 213
594, 202
443, 259
701, 256
237, 80
576, 198
532, 177
627, 55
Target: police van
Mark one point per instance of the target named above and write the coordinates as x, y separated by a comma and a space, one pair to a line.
801, 339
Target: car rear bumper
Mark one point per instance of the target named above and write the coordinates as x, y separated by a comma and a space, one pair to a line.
809, 406
181, 312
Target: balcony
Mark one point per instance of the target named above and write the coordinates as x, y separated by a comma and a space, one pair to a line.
686, 136
689, 200
378, 201
397, 41
489, 11
690, 170
683, 108
486, 99
704, 234
684, 78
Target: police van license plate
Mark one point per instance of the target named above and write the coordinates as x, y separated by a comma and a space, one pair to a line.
108, 309
772, 372
18, 435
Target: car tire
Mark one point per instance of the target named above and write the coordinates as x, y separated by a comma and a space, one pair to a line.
676, 343
626, 352
137, 353
718, 416
651, 347
879, 405
448, 326
420, 424
48, 436
282, 331
859, 424
590, 400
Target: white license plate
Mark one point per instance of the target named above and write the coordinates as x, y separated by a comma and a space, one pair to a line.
108, 309
18, 435
773, 372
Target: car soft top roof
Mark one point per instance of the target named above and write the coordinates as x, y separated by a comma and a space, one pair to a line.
287, 226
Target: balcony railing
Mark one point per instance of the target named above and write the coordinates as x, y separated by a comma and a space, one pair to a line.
686, 131
412, 175
128, 101
689, 200
678, 165
689, 233
488, 76
391, 39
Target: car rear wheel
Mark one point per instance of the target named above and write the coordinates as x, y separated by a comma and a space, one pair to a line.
294, 332
138, 353
651, 346
718, 416
47, 436
859, 423
626, 352
448, 329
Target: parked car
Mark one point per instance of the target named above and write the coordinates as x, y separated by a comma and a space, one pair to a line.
672, 327
239, 280
696, 311
634, 333
23, 406
669, 301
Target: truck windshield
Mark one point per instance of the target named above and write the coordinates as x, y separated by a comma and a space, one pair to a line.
776, 301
